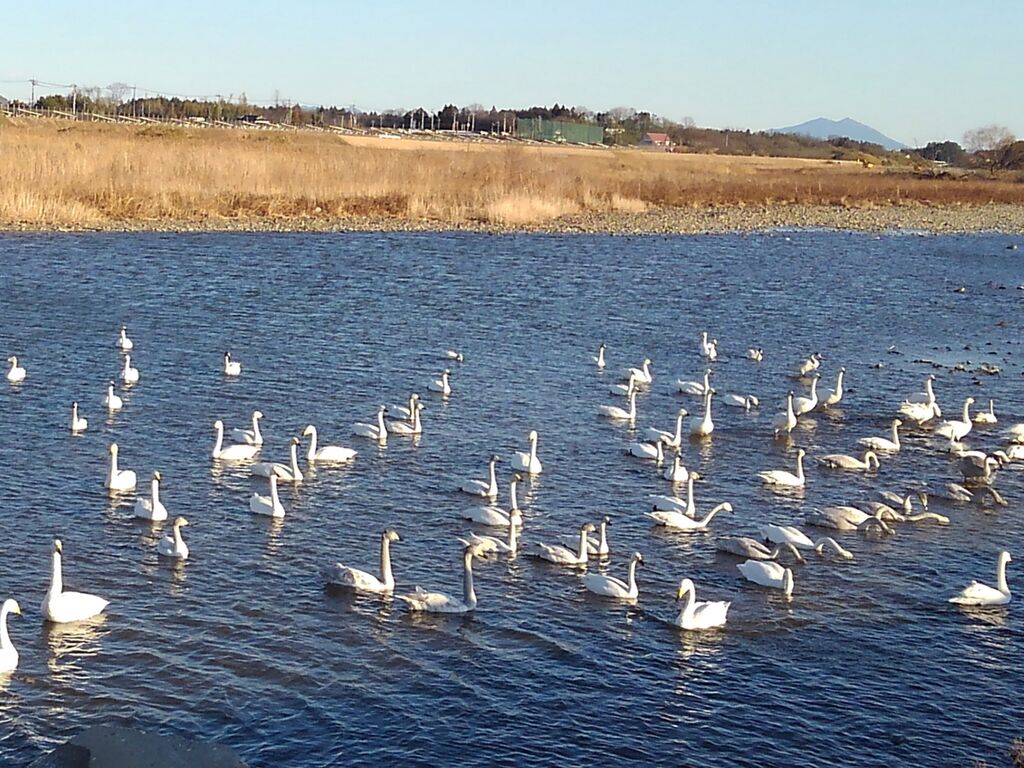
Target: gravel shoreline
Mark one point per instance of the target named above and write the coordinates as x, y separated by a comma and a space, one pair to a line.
1007, 219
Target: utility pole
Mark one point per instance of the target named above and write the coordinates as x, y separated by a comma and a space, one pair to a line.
133, 100
74, 100
33, 102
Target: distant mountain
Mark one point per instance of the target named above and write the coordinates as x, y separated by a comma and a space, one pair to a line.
823, 128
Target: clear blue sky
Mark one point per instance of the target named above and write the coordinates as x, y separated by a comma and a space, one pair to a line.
914, 69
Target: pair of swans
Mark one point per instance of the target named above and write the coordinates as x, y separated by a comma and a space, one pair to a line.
609, 586
129, 374
559, 554
289, 471
78, 423
672, 504
978, 468
231, 367
331, 454
441, 386
845, 461
696, 388
62, 607
378, 431
596, 547
784, 423
484, 544
151, 509
112, 402
780, 478
599, 357
495, 516
16, 373
979, 594
527, 461
118, 479
440, 602
8, 653
699, 615
267, 506
752, 549
174, 546
235, 452
846, 518
958, 429
486, 488
362, 581
788, 534
708, 348
680, 521
414, 425
404, 411
882, 444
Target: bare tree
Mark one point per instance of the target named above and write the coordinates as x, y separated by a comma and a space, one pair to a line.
987, 138
118, 92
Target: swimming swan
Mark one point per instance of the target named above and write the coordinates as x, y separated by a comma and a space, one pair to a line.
919, 413
123, 342
609, 586
699, 388
671, 439
643, 373
681, 522
562, 555
290, 471
16, 373
439, 602
780, 477
620, 414
705, 426
768, 574
927, 397
231, 367
486, 544
8, 653
756, 354
78, 423
976, 593
699, 615
957, 430
488, 488
785, 422
678, 473
495, 516
409, 429
119, 479
269, 506
808, 366
746, 402
987, 417
250, 436
129, 375
327, 453
830, 397
112, 402
882, 444
378, 431
844, 461
441, 386
152, 508
62, 607
828, 543
528, 462
173, 545
599, 359
405, 411
744, 546
786, 534
236, 452
654, 451
672, 504
452, 354
708, 349
803, 405
361, 581
596, 547
624, 389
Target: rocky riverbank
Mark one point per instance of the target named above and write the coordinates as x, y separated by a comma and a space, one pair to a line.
1008, 219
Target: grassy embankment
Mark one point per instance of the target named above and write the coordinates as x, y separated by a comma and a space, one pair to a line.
81, 176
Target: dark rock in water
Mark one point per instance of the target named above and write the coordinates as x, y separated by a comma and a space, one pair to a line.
104, 746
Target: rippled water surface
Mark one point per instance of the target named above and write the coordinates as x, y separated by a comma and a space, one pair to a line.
244, 645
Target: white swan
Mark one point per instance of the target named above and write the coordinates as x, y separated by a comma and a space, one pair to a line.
62, 607
957, 430
527, 461
803, 405
927, 397
119, 479
744, 546
8, 653
987, 417
596, 546
609, 586
845, 461
123, 342
699, 615
78, 423
361, 581
830, 397
269, 506
231, 367
16, 373
406, 428
705, 426
671, 439
173, 545
405, 411
977, 593
643, 373
919, 413
786, 534
1016, 433
977, 467
681, 522
328, 453
756, 354
151, 508
785, 422
599, 358
442, 385
677, 473
250, 436
455, 355
129, 374
620, 414
624, 389
378, 431
439, 602
746, 402
840, 518
290, 471
654, 451
488, 488
780, 477
112, 402
236, 452
808, 366
708, 349
768, 573
957, 492
698, 388
562, 555
828, 543
485, 544
882, 444
672, 504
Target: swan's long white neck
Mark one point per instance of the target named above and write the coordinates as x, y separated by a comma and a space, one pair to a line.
113, 465
512, 499
896, 434
219, 441
679, 427
814, 388
385, 562
790, 415
416, 427
533, 448
256, 429
659, 452
602, 544
632, 575
967, 412
839, 383
1001, 584
707, 406
382, 428
707, 379
492, 480
583, 550
127, 363
691, 509
311, 455
513, 537
687, 610
708, 517
632, 405
179, 543
468, 594
295, 461
929, 391
154, 487
56, 575
5, 640
800, 466
74, 414
274, 498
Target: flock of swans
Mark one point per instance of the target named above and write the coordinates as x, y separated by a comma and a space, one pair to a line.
761, 564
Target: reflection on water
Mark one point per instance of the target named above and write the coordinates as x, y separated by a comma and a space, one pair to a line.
329, 326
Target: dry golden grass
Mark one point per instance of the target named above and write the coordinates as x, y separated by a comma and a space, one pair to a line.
58, 174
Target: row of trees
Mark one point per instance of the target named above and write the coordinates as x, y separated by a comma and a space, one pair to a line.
990, 146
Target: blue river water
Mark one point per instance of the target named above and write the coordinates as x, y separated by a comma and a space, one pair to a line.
244, 645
